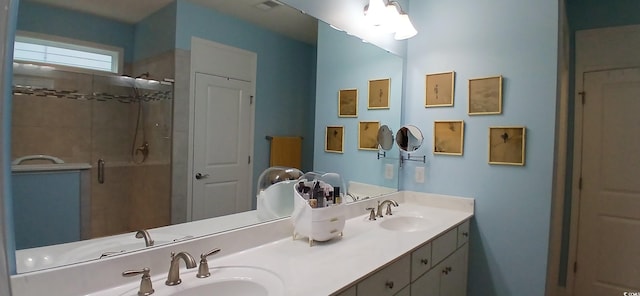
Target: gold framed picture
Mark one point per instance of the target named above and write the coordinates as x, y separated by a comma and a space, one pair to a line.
348, 103
379, 93
507, 145
368, 135
448, 137
485, 96
439, 89
334, 139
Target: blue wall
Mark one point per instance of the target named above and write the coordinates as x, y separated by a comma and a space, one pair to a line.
345, 62
46, 207
284, 78
518, 40
45, 19
155, 34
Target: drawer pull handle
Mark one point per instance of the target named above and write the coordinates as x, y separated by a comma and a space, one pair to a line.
389, 284
424, 261
446, 270
465, 234
333, 220
333, 231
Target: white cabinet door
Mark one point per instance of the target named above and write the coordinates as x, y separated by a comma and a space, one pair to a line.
449, 278
453, 271
428, 284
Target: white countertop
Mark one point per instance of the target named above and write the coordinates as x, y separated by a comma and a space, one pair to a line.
364, 248
328, 267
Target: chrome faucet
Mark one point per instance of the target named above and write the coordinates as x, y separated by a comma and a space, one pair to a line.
173, 278
388, 203
147, 238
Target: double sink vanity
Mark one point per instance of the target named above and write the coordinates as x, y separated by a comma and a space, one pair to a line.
421, 249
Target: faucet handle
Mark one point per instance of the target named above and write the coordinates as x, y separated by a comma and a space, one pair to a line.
203, 269
146, 287
388, 212
372, 214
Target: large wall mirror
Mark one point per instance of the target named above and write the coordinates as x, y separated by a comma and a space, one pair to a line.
131, 140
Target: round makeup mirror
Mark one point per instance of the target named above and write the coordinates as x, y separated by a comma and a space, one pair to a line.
385, 138
409, 138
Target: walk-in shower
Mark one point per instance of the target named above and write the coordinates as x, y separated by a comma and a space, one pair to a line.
143, 148
118, 126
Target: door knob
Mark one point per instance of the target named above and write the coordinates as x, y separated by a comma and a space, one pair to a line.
201, 176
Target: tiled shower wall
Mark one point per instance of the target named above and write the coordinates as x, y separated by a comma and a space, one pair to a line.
133, 196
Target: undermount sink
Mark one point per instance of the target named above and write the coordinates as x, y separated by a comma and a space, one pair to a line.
225, 280
405, 223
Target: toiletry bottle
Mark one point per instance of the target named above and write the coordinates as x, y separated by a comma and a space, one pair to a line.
318, 194
337, 199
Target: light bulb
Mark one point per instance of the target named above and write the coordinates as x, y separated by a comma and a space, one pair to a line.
405, 28
375, 12
391, 19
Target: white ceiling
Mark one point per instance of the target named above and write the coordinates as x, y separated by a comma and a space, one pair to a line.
282, 19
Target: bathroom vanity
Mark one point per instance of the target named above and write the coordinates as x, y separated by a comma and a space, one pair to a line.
421, 249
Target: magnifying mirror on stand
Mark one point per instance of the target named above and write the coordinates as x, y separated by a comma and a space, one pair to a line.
409, 139
385, 140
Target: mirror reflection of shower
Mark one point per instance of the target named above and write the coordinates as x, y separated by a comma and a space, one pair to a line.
139, 153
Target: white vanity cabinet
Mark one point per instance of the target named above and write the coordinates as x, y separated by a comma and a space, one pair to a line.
438, 267
449, 276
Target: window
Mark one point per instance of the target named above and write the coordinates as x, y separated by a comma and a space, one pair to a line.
77, 54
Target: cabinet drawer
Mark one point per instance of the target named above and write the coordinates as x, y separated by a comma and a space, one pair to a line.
463, 233
420, 261
387, 281
443, 246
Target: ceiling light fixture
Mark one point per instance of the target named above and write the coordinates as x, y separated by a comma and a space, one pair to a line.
389, 17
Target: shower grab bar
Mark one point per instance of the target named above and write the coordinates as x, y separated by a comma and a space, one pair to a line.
101, 171
37, 156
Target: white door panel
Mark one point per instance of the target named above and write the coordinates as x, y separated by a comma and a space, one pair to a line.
608, 252
222, 139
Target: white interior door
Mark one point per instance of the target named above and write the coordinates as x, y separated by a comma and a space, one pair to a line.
608, 249
222, 140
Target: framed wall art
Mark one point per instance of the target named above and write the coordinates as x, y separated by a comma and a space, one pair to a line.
379, 93
485, 95
439, 89
368, 135
334, 139
507, 145
448, 137
348, 103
